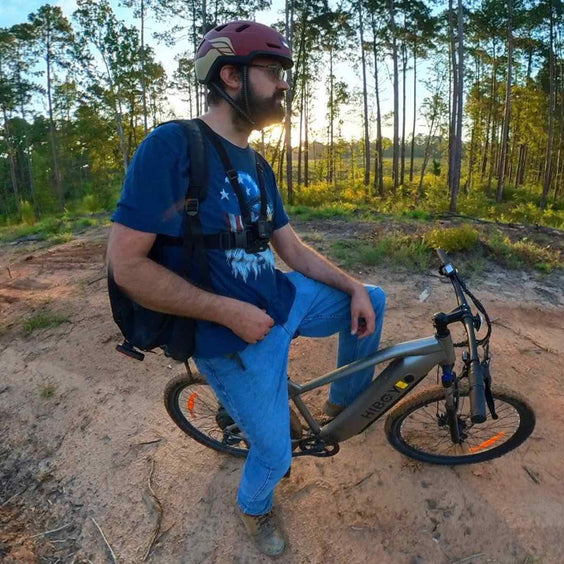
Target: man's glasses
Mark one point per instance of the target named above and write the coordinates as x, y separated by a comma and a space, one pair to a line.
277, 71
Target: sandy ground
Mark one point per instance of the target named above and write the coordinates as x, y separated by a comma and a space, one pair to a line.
83, 428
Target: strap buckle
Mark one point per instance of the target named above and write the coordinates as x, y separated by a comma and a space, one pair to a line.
232, 174
225, 241
191, 206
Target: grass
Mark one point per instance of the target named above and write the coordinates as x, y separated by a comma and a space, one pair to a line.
307, 213
42, 320
396, 251
415, 252
48, 391
53, 229
523, 253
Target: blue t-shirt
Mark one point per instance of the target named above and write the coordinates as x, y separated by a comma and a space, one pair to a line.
152, 200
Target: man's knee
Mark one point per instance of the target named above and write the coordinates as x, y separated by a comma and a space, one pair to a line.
378, 298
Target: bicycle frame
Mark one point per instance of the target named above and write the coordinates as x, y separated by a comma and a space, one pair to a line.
410, 362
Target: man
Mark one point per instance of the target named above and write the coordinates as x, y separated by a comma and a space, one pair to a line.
245, 325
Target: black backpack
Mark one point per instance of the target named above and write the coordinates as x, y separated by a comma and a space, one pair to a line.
146, 329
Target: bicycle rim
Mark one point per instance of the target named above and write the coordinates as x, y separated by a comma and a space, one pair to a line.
193, 406
419, 428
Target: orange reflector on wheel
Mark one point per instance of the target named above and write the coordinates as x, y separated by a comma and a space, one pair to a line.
191, 401
488, 443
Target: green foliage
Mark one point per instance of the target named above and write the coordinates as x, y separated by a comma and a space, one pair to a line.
524, 253
48, 391
420, 215
61, 238
55, 229
452, 239
42, 320
396, 251
90, 203
28, 215
306, 213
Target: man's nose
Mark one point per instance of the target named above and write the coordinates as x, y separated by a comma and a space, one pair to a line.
284, 85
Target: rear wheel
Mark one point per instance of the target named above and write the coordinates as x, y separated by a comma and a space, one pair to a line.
419, 427
194, 407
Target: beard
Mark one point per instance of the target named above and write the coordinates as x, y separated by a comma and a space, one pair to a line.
262, 110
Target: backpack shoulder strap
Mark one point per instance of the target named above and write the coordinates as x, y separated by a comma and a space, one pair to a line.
197, 158
193, 237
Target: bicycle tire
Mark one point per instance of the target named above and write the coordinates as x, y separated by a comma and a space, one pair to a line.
487, 449
181, 390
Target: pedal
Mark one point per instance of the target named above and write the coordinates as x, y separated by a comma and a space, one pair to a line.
129, 350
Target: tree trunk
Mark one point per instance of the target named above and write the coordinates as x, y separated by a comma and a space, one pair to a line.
56, 171
404, 71
507, 117
288, 122
457, 160
378, 161
454, 99
414, 112
143, 77
551, 111
395, 167
468, 183
365, 97
331, 165
300, 134
306, 139
195, 42
11, 160
420, 192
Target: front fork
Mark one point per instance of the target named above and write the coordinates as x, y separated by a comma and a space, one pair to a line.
450, 385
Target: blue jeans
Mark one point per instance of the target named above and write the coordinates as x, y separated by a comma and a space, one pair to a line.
256, 396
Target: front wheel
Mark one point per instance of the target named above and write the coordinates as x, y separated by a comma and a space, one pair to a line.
419, 428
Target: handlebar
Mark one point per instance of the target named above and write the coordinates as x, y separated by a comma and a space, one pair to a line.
475, 376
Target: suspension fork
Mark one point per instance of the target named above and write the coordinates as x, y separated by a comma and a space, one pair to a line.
450, 386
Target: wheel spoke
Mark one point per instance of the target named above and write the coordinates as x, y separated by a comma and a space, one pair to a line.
201, 418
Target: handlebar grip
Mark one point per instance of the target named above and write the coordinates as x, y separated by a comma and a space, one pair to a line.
443, 256
477, 393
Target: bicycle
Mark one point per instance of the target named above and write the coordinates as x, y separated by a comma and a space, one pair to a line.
436, 425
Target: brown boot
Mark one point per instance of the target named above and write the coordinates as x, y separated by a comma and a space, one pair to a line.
331, 409
264, 532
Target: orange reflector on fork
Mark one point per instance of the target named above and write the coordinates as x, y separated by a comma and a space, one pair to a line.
191, 401
488, 443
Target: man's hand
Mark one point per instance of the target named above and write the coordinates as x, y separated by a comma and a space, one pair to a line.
249, 322
363, 318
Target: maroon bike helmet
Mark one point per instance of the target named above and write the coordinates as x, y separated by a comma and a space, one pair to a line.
238, 43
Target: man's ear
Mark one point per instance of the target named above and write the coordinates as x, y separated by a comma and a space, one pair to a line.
231, 76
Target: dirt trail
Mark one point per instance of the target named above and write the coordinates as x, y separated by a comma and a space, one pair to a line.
82, 426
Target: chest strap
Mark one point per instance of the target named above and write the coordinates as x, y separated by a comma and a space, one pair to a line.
233, 176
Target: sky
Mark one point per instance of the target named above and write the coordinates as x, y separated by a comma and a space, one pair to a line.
16, 11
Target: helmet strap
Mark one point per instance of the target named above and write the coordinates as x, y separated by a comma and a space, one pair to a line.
232, 102
245, 75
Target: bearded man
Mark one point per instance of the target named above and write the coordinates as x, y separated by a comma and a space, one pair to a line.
247, 319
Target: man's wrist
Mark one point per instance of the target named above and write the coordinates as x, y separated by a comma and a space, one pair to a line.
354, 288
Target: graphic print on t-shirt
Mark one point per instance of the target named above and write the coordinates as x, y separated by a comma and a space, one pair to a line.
242, 263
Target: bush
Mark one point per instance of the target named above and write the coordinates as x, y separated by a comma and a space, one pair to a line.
398, 251
28, 215
524, 253
453, 238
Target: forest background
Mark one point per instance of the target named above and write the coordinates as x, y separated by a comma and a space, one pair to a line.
396, 106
